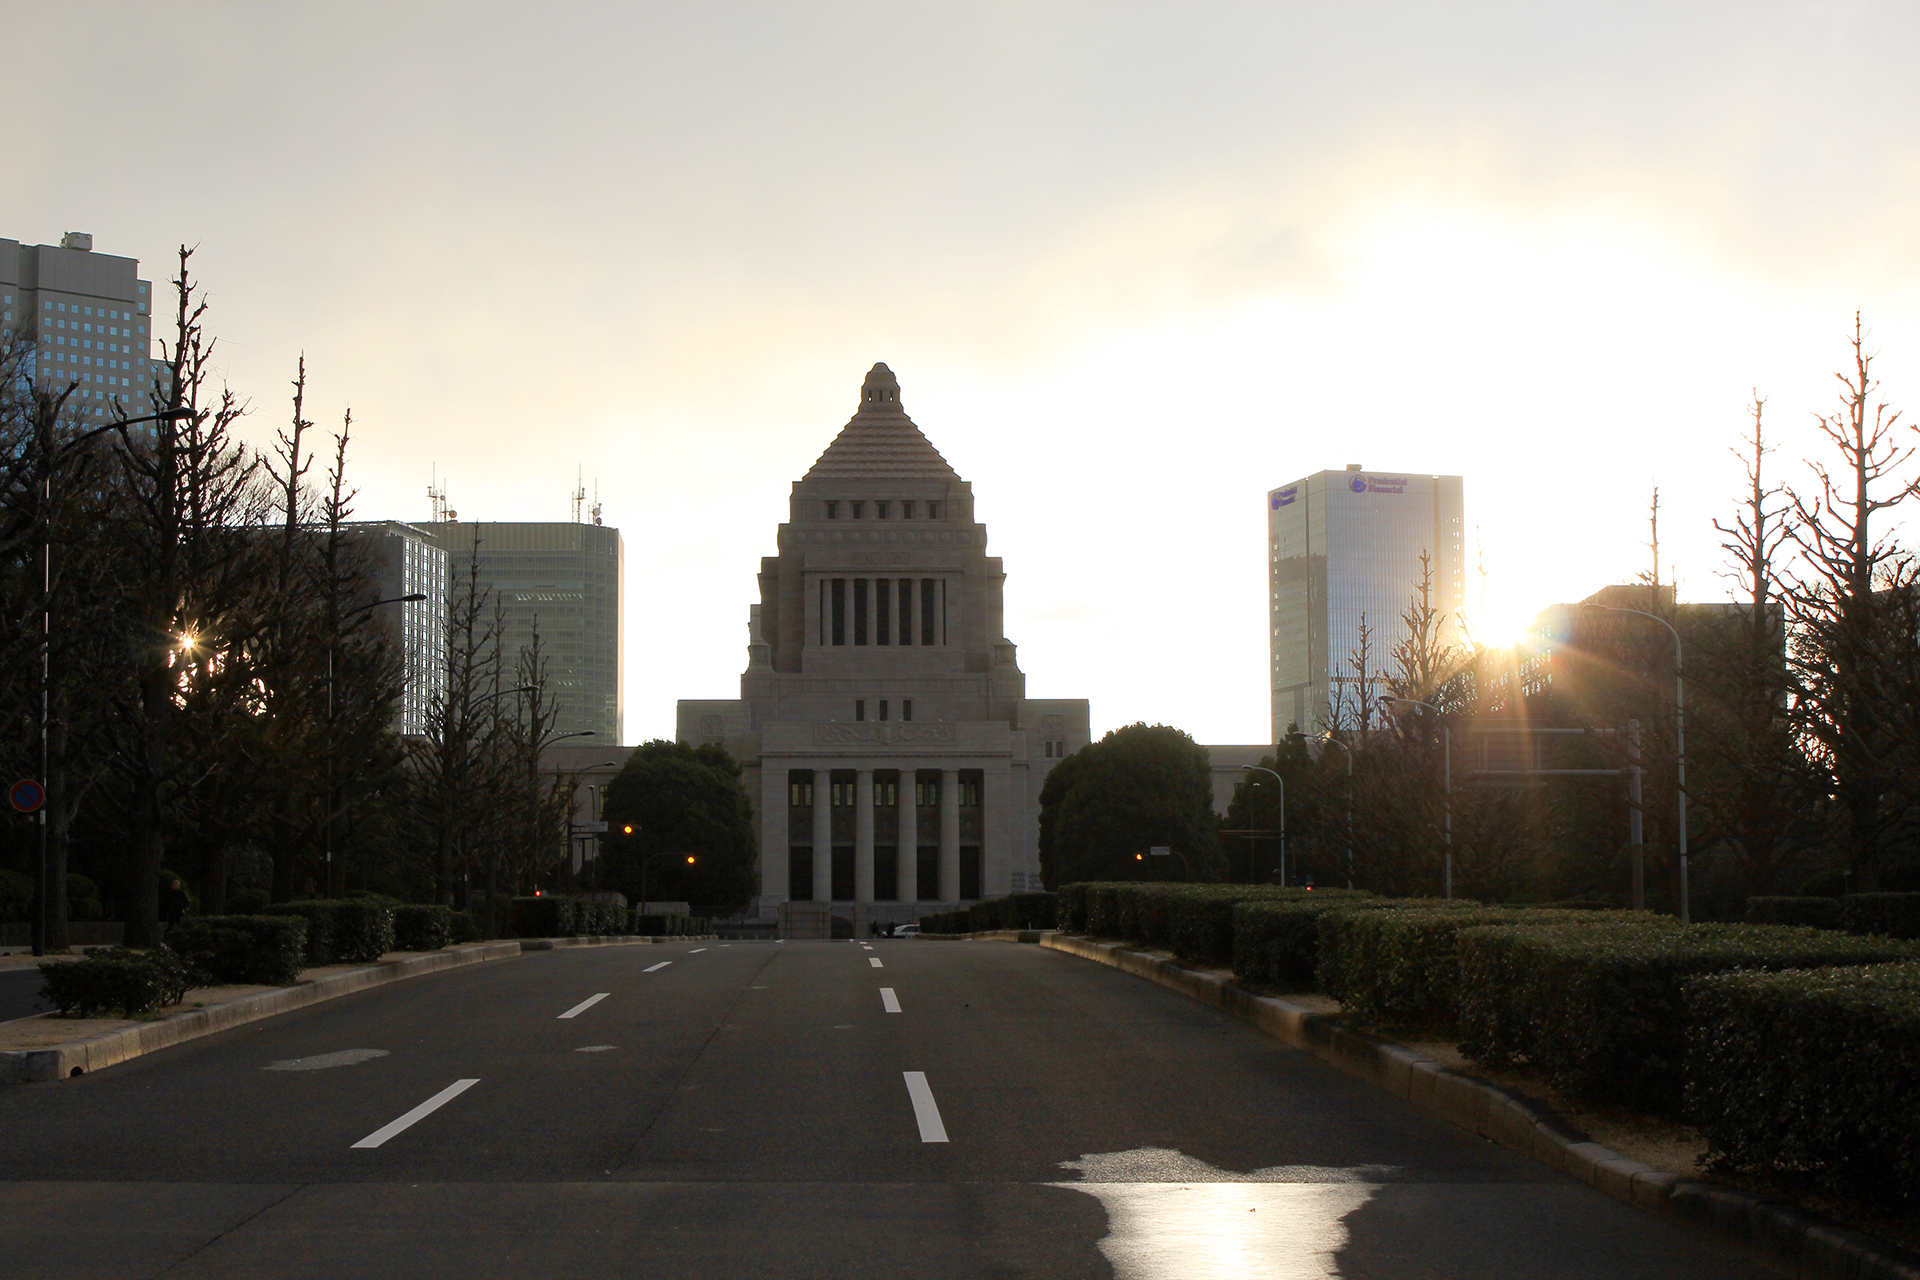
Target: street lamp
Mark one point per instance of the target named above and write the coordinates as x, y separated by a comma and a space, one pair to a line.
416, 597
1446, 739
45, 411
1679, 738
1282, 784
1333, 741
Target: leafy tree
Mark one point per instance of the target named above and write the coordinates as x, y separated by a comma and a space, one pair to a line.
683, 802
1140, 786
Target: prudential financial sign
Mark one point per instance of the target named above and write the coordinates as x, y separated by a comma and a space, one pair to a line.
1378, 484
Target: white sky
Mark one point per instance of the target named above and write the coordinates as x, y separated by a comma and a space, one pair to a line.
1135, 264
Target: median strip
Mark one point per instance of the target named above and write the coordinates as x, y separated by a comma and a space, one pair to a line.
924, 1111
416, 1115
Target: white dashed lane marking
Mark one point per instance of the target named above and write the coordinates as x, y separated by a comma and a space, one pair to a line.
650, 968
889, 1001
696, 951
421, 1112
924, 1110
875, 962
585, 1005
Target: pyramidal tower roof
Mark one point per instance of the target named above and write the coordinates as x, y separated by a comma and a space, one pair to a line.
880, 440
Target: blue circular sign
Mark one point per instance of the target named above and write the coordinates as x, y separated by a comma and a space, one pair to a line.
27, 795
1357, 484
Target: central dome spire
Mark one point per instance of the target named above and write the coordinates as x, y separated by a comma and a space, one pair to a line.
880, 440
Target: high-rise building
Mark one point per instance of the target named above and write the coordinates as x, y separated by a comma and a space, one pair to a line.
563, 579
406, 560
891, 752
1343, 547
92, 314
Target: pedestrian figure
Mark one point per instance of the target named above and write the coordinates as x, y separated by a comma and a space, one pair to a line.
173, 905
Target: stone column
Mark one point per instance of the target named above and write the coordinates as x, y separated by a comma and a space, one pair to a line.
908, 877
822, 836
949, 835
863, 837
774, 839
996, 830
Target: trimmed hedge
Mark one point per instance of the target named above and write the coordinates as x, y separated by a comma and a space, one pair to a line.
546, 916
268, 950
1200, 920
1399, 967
422, 927
1599, 1007
945, 922
115, 978
1817, 913
1015, 911
1890, 915
1811, 1077
1278, 943
342, 930
1073, 906
673, 926
465, 927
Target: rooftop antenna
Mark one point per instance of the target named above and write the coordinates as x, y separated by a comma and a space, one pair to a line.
579, 495
437, 494
596, 502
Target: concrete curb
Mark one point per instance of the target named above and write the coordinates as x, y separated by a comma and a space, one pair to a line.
64, 1061
1774, 1233
612, 940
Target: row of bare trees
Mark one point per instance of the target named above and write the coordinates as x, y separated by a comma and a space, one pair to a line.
196, 668
1802, 712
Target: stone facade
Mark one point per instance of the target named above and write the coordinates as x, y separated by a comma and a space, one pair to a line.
894, 759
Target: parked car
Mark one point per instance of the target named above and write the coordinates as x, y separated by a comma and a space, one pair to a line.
905, 931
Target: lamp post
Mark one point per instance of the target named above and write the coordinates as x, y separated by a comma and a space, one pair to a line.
1446, 739
46, 409
333, 635
1679, 739
1280, 782
1335, 742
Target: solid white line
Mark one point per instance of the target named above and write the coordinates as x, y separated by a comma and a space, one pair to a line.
585, 1005
650, 968
889, 1001
422, 1111
875, 962
924, 1111
696, 951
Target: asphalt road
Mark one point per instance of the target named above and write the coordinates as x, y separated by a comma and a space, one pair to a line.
758, 1110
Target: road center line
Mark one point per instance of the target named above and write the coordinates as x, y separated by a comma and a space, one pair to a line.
889, 1001
585, 1005
875, 962
924, 1110
432, 1105
696, 951
650, 968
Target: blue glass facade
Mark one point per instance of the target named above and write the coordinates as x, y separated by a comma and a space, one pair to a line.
1343, 547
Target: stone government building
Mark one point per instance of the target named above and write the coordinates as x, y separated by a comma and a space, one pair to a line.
894, 759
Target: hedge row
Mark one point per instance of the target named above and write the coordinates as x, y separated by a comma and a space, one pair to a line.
671, 926
1600, 1008
342, 930
1811, 1077
422, 927
132, 982
265, 950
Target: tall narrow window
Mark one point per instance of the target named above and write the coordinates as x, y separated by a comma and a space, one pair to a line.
906, 708
839, 610
879, 511
933, 511
826, 609
883, 708
859, 509
929, 613
906, 510
859, 708
882, 625
906, 611
859, 610
833, 511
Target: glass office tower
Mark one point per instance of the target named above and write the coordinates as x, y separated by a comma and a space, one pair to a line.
1343, 546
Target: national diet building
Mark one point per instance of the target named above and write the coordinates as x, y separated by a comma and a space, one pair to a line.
893, 757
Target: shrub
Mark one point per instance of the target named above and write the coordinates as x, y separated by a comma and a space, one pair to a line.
320, 926
115, 978
16, 896
1891, 915
1278, 942
422, 927
465, 927
83, 899
269, 950
1103, 910
1810, 1076
547, 916
987, 914
1399, 967
248, 902
362, 930
945, 922
1200, 917
1819, 913
1073, 907
1599, 1007
1031, 910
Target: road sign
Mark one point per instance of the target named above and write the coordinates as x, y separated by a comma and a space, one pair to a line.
590, 828
27, 795
1161, 850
